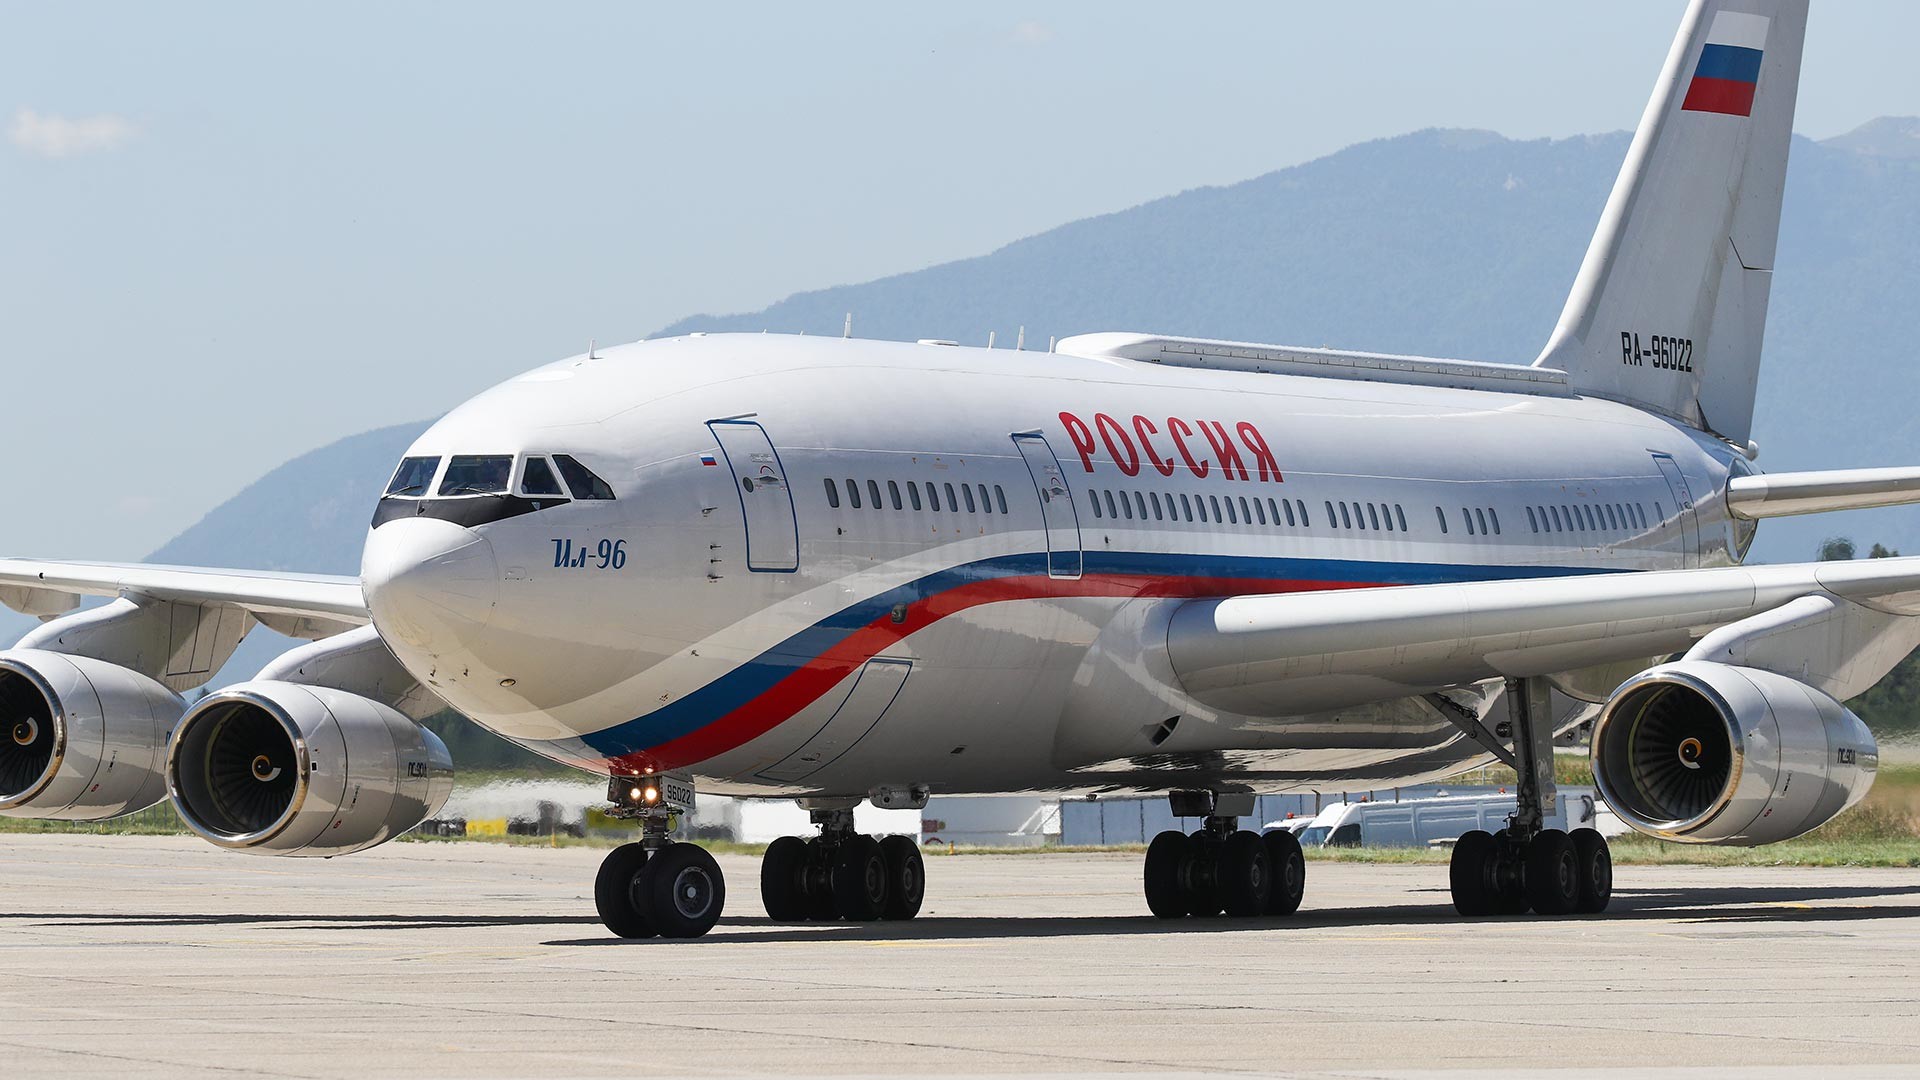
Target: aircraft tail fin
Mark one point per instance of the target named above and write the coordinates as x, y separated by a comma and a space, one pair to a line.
1670, 305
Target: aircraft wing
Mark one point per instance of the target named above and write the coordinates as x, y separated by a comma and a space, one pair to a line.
1837, 625
317, 601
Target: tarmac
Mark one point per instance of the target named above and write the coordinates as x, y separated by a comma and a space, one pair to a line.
133, 957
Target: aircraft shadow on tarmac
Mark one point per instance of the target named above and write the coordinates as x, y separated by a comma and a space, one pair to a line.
1745, 905
1706, 905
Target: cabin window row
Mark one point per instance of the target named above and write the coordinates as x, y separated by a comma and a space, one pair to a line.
1226, 510
1477, 520
1589, 517
907, 495
1372, 517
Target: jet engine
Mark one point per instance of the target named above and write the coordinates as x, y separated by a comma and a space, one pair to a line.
279, 768
1708, 753
80, 739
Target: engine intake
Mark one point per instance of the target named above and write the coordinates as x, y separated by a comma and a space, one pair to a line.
281, 768
1708, 753
80, 739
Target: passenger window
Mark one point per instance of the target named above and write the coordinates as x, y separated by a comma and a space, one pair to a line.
1613, 519
1373, 517
1332, 520
833, 493
913, 495
1593, 522
853, 494
1287, 505
1213, 503
1233, 516
1467, 516
1140, 501
1495, 515
1572, 519
1154, 498
1346, 519
536, 478
933, 497
1111, 512
581, 479
999, 498
1260, 511
1094, 498
953, 501
893, 492
414, 476
477, 474
1442, 515
1186, 507
1400, 515
1305, 521
986, 504
1659, 515
1126, 508
873, 489
1532, 521
968, 492
1246, 515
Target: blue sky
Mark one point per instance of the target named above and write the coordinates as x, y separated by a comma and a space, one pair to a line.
234, 232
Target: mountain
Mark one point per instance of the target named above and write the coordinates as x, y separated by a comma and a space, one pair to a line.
1444, 243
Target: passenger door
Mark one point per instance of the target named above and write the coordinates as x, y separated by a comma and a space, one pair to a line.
1057, 511
766, 502
1683, 502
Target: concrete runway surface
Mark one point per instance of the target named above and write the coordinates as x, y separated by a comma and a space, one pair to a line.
132, 957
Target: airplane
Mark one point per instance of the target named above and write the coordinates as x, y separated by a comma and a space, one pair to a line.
840, 570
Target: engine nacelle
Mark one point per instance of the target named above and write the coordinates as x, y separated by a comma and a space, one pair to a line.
80, 739
1707, 753
279, 768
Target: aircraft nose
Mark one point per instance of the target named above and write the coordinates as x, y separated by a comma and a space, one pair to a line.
429, 583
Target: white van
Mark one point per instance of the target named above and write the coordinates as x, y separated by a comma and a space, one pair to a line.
1419, 822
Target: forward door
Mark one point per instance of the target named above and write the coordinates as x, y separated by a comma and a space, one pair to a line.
766, 502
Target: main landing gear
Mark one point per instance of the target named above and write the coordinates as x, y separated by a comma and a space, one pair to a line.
1222, 868
841, 874
657, 887
1526, 866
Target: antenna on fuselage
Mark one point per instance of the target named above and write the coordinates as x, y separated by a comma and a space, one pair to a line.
1050, 341
1020, 343
989, 339
592, 346
847, 331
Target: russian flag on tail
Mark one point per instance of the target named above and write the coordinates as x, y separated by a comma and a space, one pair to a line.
1729, 70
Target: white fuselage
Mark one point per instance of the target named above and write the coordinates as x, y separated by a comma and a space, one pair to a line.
741, 609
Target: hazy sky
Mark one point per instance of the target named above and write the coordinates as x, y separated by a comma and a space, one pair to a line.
236, 232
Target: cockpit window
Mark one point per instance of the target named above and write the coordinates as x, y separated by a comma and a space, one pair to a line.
538, 479
477, 474
585, 485
413, 476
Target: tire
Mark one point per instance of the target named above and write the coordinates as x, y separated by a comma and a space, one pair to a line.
1595, 862
783, 880
1289, 866
906, 877
1245, 875
1553, 874
816, 884
1165, 871
859, 879
1507, 874
1202, 879
681, 891
613, 892
1471, 874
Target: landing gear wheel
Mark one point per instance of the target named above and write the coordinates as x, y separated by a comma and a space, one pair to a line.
680, 891
1289, 867
1165, 873
818, 883
1509, 876
859, 879
1471, 874
1245, 875
1203, 876
906, 877
1595, 864
783, 879
613, 891
1553, 874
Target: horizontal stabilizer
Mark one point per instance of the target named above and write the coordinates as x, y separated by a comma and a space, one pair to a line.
1786, 494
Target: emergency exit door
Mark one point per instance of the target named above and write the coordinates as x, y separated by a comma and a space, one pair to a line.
766, 502
1683, 502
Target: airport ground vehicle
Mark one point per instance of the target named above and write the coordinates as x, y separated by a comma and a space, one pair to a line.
1420, 822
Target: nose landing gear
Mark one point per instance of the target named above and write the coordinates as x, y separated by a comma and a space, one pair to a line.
1222, 868
841, 874
657, 887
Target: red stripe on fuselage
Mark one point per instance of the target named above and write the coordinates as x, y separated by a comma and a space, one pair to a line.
808, 682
